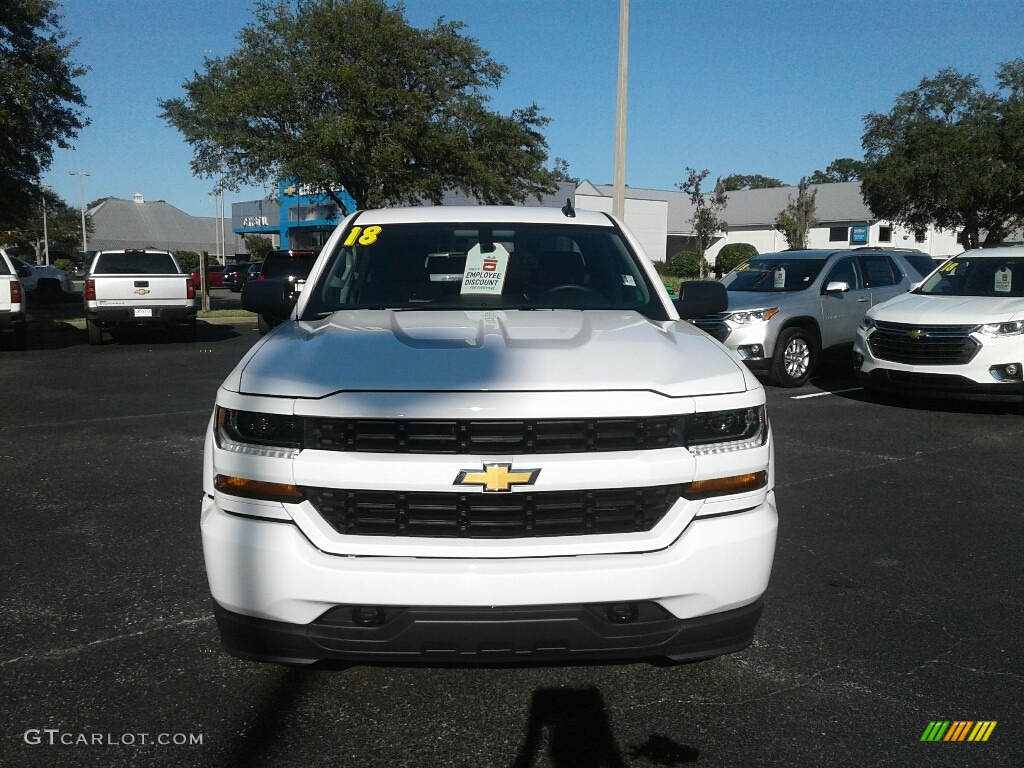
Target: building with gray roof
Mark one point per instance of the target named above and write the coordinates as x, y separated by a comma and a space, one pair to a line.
119, 224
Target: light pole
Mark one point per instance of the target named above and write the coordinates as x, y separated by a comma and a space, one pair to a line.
81, 196
619, 190
46, 234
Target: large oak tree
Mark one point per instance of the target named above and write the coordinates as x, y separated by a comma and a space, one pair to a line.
40, 105
347, 92
951, 155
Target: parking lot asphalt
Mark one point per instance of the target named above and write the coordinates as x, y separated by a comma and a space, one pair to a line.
896, 600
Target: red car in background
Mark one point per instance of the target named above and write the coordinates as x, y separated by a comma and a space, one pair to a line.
214, 276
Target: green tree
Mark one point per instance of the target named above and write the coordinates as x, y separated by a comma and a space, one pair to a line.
732, 255
840, 169
347, 92
685, 264
560, 172
798, 217
258, 247
738, 181
950, 155
63, 226
707, 210
187, 260
40, 105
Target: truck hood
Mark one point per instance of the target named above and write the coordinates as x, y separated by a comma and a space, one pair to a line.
391, 351
948, 310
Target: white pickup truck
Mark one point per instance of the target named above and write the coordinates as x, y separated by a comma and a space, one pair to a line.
139, 287
484, 434
13, 328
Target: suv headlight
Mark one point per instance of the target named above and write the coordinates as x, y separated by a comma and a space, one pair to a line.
868, 324
748, 316
258, 434
726, 431
995, 330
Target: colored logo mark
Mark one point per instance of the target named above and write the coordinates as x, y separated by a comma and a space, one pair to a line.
958, 730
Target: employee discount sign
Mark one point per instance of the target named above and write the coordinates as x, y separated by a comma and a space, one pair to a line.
485, 272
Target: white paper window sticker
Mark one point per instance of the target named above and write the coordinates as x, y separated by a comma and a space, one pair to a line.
485, 272
1004, 280
780, 277
628, 280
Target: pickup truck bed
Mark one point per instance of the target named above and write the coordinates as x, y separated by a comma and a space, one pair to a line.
138, 288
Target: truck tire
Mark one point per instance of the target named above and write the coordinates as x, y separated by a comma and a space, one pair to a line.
19, 337
95, 332
796, 354
190, 331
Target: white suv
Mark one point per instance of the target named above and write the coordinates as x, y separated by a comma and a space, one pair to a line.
483, 434
960, 334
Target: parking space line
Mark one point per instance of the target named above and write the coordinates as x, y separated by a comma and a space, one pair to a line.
822, 394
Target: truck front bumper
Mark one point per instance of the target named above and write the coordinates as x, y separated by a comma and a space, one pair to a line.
278, 598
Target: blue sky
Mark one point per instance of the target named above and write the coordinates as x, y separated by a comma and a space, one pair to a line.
735, 86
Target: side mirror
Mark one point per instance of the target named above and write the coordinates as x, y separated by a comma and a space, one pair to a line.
274, 298
837, 286
701, 297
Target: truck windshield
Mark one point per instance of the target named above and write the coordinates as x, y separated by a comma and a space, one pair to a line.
774, 275
436, 266
134, 263
977, 276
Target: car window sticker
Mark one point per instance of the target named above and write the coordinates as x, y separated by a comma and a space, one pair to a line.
1004, 278
485, 272
780, 277
628, 280
950, 267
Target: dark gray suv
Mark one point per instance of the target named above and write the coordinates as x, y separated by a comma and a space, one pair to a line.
786, 308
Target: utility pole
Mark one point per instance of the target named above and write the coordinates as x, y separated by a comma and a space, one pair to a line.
46, 234
81, 197
619, 196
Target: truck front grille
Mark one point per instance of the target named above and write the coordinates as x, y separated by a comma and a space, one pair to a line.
517, 437
923, 344
493, 515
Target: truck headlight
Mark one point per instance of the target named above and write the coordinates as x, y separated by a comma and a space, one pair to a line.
995, 330
748, 316
259, 434
726, 431
868, 324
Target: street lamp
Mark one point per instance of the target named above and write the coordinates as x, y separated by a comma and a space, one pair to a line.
46, 234
81, 196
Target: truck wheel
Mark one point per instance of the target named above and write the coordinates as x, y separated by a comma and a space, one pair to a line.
796, 353
95, 332
263, 325
190, 332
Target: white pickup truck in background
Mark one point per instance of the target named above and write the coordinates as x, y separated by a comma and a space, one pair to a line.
138, 287
13, 329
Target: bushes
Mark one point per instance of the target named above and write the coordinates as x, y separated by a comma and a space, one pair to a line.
685, 264
732, 255
187, 260
66, 264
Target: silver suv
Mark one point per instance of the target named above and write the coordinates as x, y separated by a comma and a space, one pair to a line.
786, 308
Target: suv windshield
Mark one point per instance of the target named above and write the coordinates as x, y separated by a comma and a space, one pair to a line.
294, 264
483, 266
774, 274
977, 276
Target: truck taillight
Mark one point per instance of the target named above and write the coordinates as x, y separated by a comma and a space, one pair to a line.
15, 292
90, 290
190, 291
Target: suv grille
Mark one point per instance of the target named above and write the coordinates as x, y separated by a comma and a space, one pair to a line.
923, 344
494, 516
495, 437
